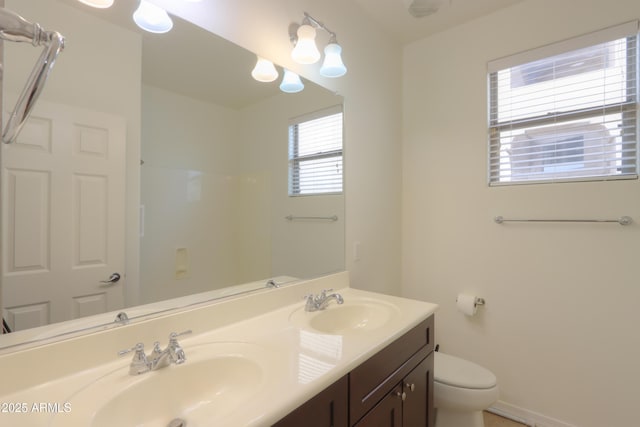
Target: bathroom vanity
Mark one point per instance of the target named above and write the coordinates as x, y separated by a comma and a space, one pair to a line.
392, 388
366, 362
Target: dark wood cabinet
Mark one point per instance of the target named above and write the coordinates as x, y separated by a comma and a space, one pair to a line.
394, 387
327, 409
373, 379
418, 388
387, 413
407, 404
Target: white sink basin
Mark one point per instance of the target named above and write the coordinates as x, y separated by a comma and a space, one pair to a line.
354, 316
216, 379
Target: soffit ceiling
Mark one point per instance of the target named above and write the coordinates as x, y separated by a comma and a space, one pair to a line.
394, 18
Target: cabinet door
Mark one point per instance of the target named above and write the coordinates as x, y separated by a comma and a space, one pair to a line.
327, 409
374, 378
387, 413
417, 408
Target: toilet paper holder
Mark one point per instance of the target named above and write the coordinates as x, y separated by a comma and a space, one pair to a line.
468, 304
478, 301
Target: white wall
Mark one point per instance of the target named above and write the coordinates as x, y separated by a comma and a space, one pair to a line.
559, 327
372, 93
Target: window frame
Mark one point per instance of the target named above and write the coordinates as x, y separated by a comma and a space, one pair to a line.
628, 109
295, 159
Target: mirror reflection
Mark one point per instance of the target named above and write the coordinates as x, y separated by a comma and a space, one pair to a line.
158, 158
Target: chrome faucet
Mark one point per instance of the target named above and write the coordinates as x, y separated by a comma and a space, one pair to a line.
320, 301
158, 358
172, 354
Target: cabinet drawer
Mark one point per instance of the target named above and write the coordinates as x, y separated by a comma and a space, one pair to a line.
372, 380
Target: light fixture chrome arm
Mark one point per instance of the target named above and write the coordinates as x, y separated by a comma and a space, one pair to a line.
311, 20
15, 28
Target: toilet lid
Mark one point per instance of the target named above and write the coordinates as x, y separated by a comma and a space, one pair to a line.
458, 372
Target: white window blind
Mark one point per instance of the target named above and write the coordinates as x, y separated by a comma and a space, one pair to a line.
315, 153
567, 111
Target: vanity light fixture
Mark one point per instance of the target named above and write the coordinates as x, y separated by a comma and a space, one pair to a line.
264, 71
100, 4
291, 82
152, 18
333, 65
305, 50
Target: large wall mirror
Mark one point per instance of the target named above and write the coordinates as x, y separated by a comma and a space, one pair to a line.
155, 156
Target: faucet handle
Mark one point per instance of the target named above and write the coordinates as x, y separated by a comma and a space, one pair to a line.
174, 335
138, 348
139, 363
312, 302
176, 353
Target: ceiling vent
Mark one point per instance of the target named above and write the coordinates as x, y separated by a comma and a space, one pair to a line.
421, 8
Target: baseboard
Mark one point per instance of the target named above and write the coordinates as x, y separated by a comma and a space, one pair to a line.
524, 416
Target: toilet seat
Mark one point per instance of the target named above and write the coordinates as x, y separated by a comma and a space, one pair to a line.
456, 372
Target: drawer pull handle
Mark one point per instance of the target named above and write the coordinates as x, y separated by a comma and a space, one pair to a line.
411, 387
401, 395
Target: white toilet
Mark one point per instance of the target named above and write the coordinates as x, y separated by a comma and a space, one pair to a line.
461, 391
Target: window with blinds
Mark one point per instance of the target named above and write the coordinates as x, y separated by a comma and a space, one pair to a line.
567, 111
315, 153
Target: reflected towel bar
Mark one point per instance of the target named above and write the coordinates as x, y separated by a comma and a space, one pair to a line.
311, 218
623, 220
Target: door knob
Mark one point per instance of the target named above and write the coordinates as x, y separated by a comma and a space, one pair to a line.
114, 278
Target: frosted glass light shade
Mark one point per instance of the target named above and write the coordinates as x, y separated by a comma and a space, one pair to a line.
152, 18
100, 4
264, 71
306, 51
333, 65
291, 82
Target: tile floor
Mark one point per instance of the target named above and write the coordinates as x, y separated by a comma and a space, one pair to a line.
493, 420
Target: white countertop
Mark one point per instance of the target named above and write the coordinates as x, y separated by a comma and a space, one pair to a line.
298, 362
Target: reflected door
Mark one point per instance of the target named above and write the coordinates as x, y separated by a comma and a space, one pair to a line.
63, 204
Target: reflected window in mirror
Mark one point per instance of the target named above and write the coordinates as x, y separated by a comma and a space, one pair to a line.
315, 153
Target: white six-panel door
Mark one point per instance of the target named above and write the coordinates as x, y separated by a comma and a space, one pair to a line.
63, 208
